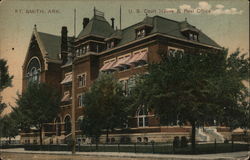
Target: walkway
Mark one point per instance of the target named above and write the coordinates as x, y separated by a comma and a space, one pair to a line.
139, 156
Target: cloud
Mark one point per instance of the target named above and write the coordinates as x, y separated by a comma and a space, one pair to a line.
185, 6
231, 11
220, 6
205, 7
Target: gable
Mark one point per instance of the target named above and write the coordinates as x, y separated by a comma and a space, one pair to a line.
45, 46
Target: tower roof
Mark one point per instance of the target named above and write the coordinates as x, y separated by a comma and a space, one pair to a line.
97, 26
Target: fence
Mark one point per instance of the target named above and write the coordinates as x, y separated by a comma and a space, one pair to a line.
160, 148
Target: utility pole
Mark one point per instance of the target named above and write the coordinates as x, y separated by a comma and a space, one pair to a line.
73, 127
73, 124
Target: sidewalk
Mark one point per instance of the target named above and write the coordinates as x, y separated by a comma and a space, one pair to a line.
220, 156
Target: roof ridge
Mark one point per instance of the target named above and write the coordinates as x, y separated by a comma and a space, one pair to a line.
131, 26
48, 34
166, 18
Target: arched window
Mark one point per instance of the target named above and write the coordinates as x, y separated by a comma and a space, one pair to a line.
34, 75
67, 124
142, 117
58, 126
33, 70
79, 122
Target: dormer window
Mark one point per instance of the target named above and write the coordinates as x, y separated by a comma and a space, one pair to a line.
143, 33
112, 44
140, 33
193, 36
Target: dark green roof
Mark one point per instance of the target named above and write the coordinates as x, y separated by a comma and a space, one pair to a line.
97, 26
164, 26
117, 34
185, 26
52, 44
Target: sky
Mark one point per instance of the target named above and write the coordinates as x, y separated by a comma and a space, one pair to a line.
225, 21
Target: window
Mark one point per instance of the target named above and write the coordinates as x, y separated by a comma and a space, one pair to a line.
142, 117
143, 33
112, 44
140, 33
80, 99
193, 36
172, 51
81, 80
58, 126
124, 83
77, 52
33, 70
127, 85
67, 124
79, 122
84, 49
33, 75
97, 48
87, 48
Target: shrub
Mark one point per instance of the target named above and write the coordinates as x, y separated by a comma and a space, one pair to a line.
184, 141
176, 142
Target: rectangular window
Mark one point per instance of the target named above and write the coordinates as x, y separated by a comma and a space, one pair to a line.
80, 99
125, 88
195, 37
141, 122
172, 51
191, 36
81, 80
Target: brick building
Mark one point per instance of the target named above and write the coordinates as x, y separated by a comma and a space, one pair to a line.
100, 47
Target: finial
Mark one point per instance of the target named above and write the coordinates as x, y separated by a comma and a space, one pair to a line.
34, 26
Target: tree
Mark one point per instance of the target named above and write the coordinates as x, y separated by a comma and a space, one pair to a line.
8, 127
5, 78
39, 104
105, 107
5, 81
194, 88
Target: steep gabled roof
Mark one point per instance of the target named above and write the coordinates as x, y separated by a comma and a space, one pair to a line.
97, 26
52, 44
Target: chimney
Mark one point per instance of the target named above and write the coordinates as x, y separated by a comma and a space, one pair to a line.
113, 22
64, 44
85, 22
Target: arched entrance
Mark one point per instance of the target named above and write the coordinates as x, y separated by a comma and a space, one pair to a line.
67, 124
58, 126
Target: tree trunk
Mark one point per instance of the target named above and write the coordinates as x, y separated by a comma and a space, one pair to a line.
40, 135
193, 136
107, 135
9, 140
